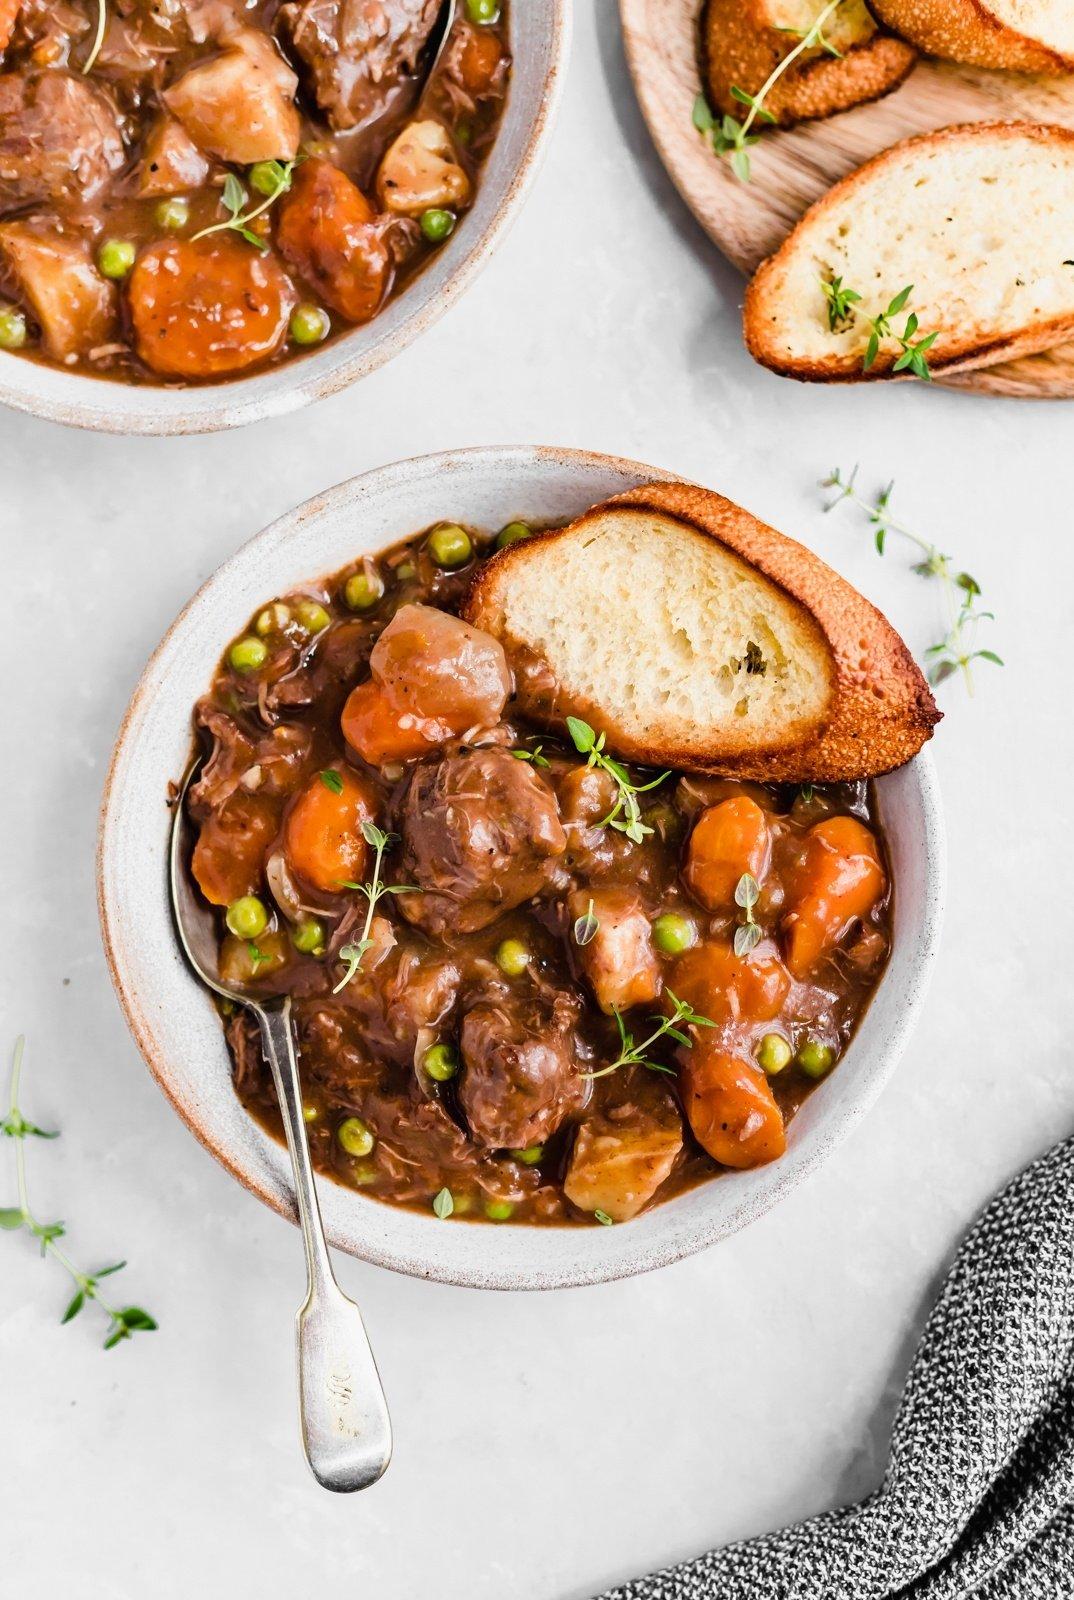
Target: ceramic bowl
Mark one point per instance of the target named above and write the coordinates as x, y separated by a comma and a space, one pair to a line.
540, 38
178, 1030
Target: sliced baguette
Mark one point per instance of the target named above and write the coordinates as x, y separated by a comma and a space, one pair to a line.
742, 41
1020, 35
979, 219
696, 637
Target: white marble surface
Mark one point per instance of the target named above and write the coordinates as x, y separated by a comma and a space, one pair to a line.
545, 1444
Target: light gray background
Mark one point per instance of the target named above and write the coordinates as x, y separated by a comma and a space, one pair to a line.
545, 1445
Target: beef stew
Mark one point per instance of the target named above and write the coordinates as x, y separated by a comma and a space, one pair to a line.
528, 981
192, 189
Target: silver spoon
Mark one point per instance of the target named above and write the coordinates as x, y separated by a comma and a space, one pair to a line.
346, 1431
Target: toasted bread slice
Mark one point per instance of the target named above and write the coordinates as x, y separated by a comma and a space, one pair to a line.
694, 636
742, 41
1021, 35
978, 220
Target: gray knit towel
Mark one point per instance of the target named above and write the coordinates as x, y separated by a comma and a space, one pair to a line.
978, 1497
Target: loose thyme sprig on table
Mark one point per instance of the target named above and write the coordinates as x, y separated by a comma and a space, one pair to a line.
842, 303
625, 815
124, 1321
957, 650
732, 138
635, 1054
374, 892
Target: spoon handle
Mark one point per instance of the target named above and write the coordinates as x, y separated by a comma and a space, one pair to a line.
346, 1431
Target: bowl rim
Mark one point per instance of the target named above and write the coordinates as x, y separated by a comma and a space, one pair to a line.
103, 405
374, 1244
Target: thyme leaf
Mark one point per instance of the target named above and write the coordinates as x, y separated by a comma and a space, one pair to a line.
374, 892
233, 197
625, 815
636, 1053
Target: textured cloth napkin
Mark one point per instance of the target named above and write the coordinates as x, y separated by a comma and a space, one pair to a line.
978, 1497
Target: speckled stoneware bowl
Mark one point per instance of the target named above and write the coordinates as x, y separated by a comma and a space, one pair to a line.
173, 1019
540, 40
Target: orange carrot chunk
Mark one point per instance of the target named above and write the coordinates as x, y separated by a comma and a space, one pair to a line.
230, 852
729, 988
731, 1108
381, 731
327, 231
840, 879
728, 839
323, 837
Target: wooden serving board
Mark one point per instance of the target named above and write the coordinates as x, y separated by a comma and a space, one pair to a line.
793, 167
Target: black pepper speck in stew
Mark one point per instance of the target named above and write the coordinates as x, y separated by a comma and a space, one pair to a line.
190, 189
528, 981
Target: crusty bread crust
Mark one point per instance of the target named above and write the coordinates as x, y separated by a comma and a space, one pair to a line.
739, 48
969, 31
879, 709
958, 350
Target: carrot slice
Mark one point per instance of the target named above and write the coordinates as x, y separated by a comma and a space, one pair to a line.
323, 836
230, 852
841, 878
205, 307
729, 988
731, 1108
728, 839
381, 731
326, 230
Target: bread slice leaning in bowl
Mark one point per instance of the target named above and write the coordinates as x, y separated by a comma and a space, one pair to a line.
977, 221
743, 41
1020, 35
694, 636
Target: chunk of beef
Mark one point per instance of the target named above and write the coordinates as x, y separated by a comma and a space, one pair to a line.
481, 834
521, 1076
60, 140
619, 959
358, 51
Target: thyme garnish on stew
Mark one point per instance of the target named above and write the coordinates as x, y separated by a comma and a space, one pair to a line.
634, 1053
444, 1204
98, 39
534, 756
732, 138
331, 780
233, 197
957, 650
374, 892
625, 815
124, 1321
913, 357
586, 926
749, 931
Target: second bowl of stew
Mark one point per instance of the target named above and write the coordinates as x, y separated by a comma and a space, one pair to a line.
559, 1018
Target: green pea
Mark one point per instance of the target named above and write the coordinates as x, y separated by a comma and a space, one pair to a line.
513, 532
530, 1156
363, 589
437, 225
273, 619
265, 177
115, 258
482, 11
312, 616
450, 546
513, 957
308, 937
673, 934
355, 1136
248, 655
309, 324
498, 1210
815, 1058
310, 1113
365, 1172
773, 1053
247, 917
173, 213
440, 1062
13, 330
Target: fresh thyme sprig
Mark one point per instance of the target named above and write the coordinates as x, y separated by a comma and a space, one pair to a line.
95, 49
749, 932
534, 756
374, 892
957, 650
842, 303
625, 815
732, 138
124, 1321
233, 197
586, 926
635, 1053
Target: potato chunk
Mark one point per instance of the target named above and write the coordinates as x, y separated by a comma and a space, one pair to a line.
619, 959
205, 307
622, 1156
420, 171
171, 162
240, 106
56, 276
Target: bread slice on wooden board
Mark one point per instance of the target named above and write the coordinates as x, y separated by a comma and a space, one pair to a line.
742, 41
977, 220
1020, 35
694, 636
